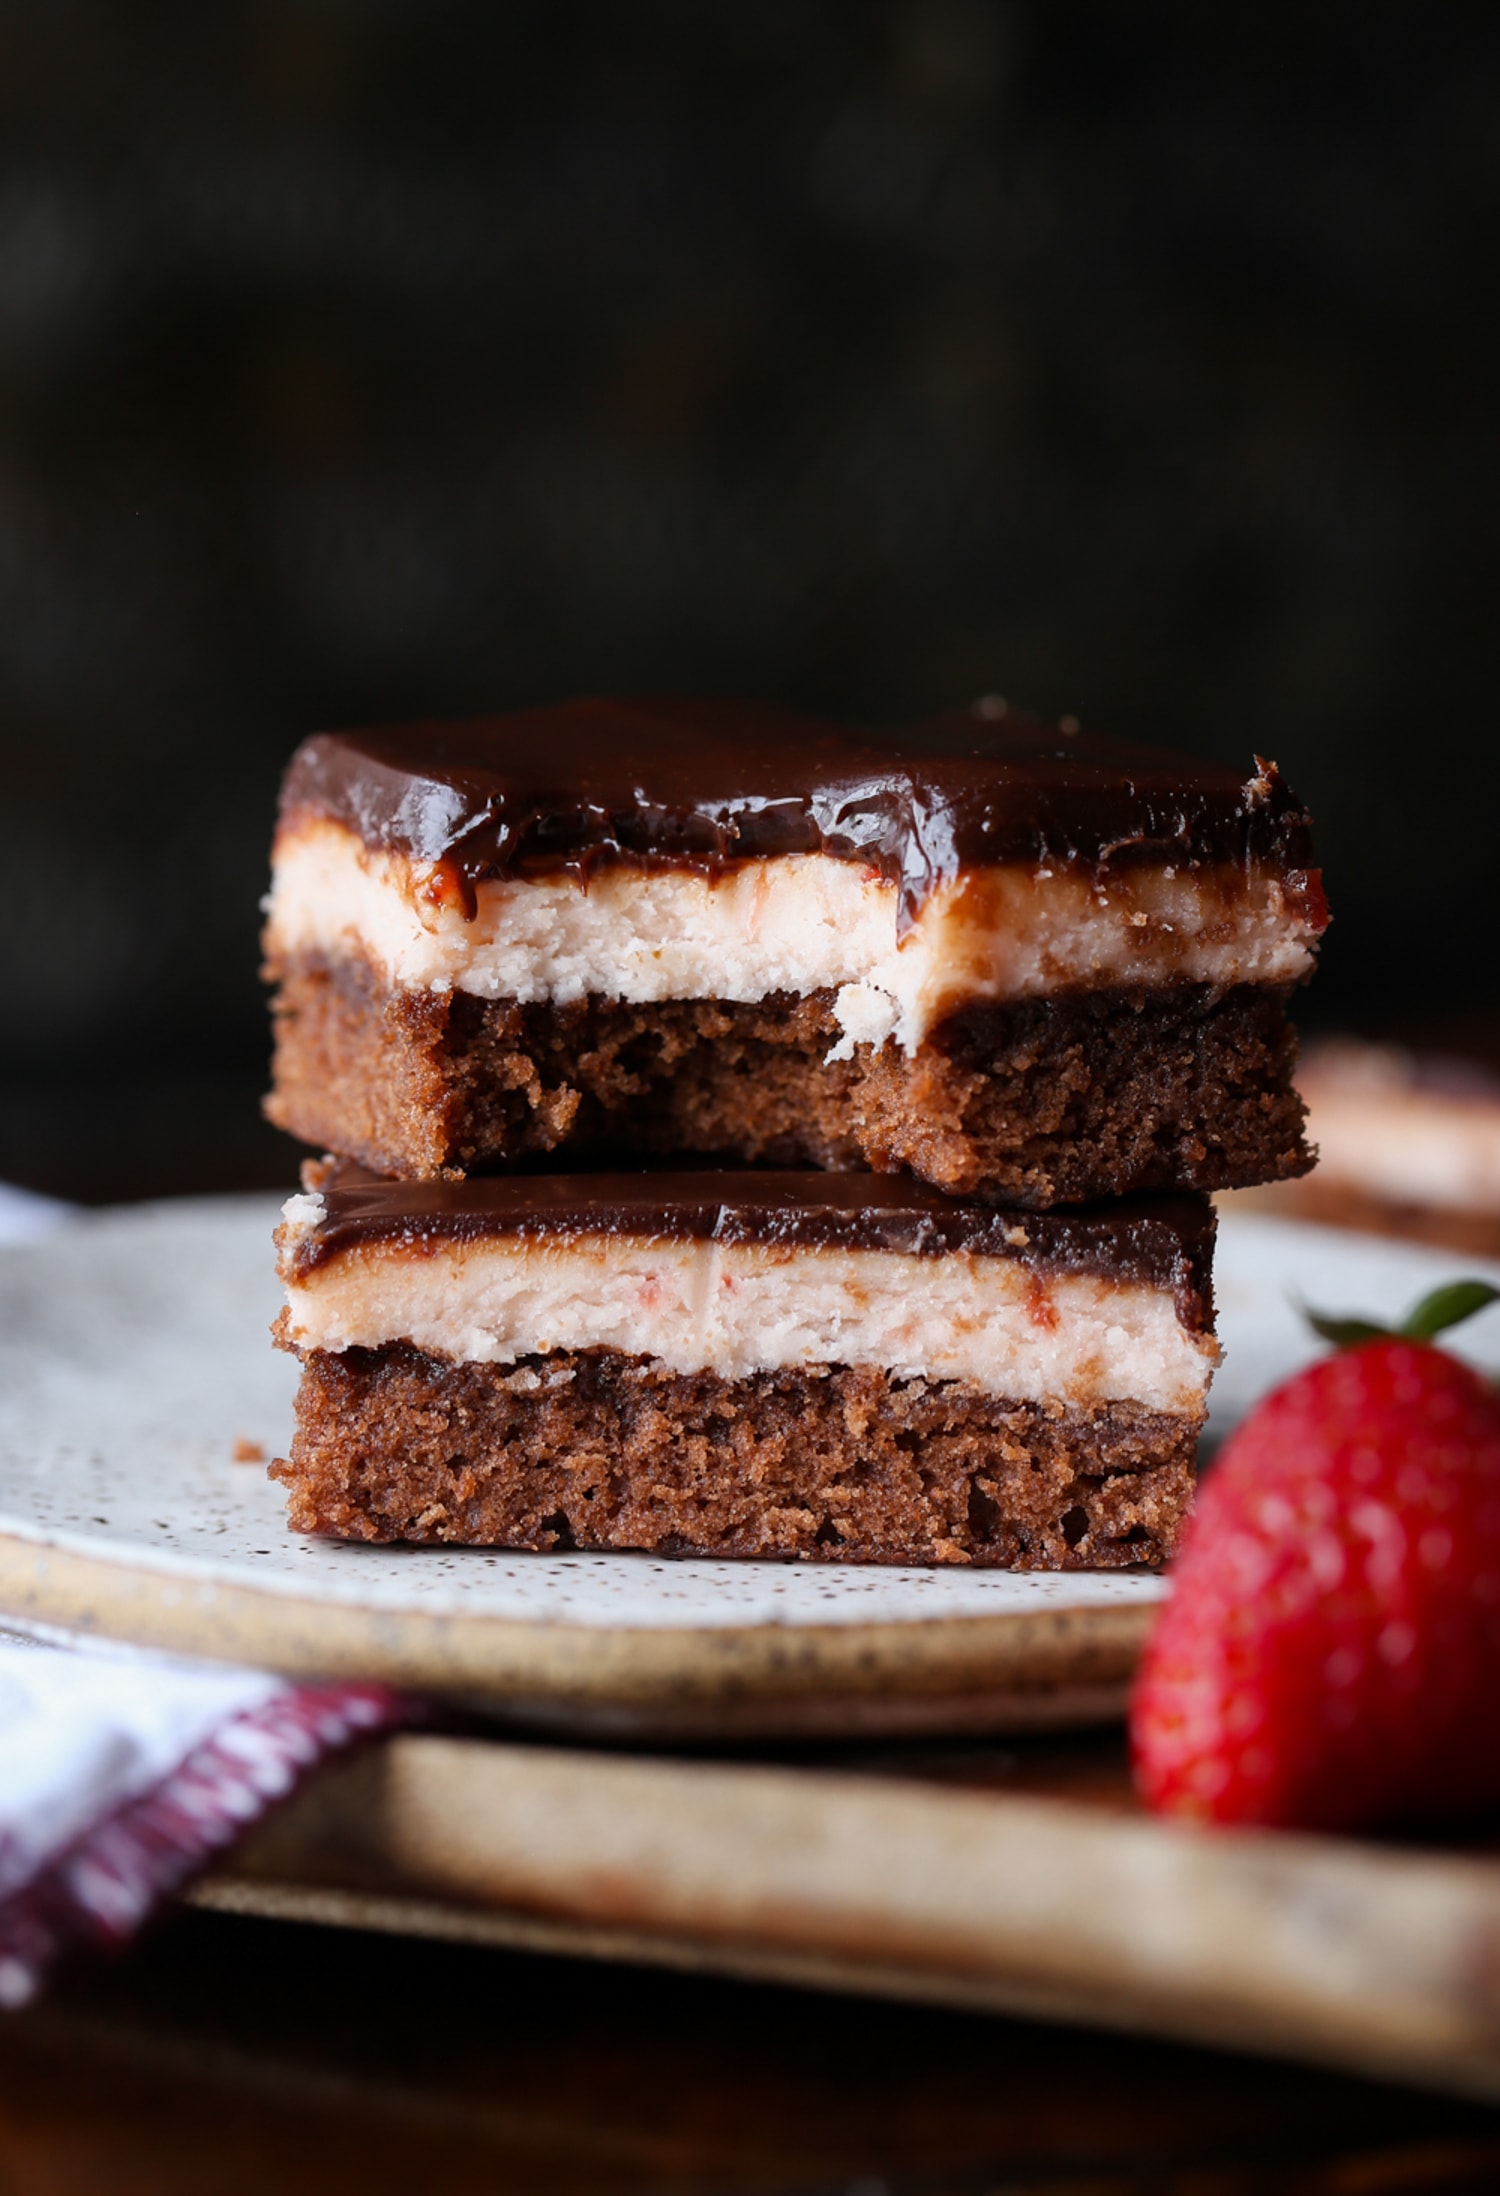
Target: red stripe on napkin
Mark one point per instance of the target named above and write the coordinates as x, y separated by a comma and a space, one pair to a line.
112, 1879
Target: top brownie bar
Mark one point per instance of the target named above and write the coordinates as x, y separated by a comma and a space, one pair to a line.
1022, 961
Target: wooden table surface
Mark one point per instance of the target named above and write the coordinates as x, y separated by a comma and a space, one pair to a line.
232, 2055
227, 2054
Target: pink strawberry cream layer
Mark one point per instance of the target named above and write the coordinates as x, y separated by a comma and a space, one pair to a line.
795, 923
745, 1275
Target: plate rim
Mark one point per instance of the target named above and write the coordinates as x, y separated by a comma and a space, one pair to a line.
645, 1666
165, 1601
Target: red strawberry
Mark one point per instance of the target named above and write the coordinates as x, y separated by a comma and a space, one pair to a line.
1330, 1656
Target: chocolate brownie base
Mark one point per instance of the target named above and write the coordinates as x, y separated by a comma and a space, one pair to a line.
594, 1449
1040, 1102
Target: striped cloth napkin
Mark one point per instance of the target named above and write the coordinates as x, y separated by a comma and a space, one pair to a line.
122, 1773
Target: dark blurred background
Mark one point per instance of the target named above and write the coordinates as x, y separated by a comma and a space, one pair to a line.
361, 358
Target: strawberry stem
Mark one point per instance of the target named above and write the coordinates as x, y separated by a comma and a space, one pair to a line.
1346, 1334
1445, 1307
1439, 1310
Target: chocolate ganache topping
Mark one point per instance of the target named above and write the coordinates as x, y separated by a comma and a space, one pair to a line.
1161, 1242
703, 785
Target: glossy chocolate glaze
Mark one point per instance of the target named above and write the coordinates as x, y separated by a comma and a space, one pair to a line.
1163, 1242
702, 785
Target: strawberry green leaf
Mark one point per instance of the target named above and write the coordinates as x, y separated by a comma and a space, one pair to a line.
1446, 1306
1345, 1334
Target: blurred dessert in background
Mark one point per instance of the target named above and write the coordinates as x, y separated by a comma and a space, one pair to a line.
1408, 1144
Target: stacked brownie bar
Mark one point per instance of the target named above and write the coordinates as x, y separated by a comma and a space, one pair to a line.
981, 983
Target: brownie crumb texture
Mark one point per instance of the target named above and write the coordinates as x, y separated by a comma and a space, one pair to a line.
593, 1449
1040, 1102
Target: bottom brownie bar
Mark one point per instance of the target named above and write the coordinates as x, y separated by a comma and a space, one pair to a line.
837, 1367
594, 1449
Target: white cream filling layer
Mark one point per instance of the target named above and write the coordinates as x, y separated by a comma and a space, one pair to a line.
738, 1310
795, 922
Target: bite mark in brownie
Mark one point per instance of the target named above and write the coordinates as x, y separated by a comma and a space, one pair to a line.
1019, 960
1034, 1103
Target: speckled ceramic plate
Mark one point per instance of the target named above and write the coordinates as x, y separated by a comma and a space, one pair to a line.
134, 1358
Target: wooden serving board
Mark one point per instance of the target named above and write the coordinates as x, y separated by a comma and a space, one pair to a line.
1021, 1880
